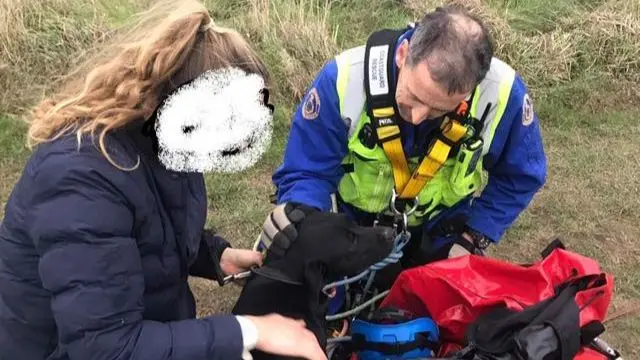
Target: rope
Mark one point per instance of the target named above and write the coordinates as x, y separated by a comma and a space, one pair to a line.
338, 339
396, 254
358, 308
401, 240
345, 281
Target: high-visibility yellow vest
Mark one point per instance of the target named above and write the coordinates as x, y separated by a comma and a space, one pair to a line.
370, 182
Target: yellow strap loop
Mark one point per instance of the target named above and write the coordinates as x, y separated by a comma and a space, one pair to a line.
387, 132
453, 130
383, 112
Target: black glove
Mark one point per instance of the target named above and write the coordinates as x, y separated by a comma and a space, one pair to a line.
456, 246
280, 228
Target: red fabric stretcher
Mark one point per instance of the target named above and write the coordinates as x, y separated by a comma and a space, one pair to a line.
455, 292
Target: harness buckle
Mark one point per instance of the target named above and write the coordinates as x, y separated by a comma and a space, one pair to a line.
392, 205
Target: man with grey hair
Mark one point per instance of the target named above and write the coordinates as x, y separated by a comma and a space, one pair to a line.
402, 131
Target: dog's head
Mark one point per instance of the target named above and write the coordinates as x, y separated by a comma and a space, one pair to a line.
330, 245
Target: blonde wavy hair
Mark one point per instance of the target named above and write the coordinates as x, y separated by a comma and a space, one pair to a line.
125, 80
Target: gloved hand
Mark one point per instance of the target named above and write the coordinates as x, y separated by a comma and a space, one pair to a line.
453, 246
457, 250
280, 228
464, 245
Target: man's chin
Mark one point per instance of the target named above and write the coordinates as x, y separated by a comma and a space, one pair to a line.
404, 117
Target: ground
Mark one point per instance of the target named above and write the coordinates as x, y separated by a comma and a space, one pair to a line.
581, 60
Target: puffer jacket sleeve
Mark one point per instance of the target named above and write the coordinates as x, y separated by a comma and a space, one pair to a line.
82, 226
207, 263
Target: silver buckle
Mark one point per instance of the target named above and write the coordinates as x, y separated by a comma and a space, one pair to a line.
392, 205
404, 214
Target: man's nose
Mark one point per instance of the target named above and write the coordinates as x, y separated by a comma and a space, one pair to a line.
419, 114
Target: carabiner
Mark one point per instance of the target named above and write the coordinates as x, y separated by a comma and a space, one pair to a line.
392, 205
236, 277
405, 222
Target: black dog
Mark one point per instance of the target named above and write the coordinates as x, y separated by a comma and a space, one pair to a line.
329, 246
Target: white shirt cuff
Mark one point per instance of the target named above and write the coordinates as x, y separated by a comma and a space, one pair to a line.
249, 336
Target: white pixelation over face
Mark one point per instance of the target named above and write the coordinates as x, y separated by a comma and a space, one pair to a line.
220, 122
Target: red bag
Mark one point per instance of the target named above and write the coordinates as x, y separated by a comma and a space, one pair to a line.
455, 292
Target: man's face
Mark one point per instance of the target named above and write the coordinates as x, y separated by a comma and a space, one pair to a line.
418, 97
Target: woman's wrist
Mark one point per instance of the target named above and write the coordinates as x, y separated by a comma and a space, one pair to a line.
249, 335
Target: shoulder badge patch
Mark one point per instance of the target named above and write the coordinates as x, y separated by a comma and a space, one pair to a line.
527, 110
311, 105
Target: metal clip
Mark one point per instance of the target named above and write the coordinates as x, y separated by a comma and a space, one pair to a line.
604, 347
235, 277
405, 222
392, 205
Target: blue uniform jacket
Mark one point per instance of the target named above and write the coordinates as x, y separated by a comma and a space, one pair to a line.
516, 162
94, 260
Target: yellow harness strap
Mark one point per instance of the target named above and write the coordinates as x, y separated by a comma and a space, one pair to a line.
409, 186
389, 136
379, 91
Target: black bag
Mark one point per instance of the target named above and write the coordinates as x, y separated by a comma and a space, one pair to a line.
549, 330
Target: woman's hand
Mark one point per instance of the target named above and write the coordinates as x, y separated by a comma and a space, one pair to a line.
234, 261
285, 336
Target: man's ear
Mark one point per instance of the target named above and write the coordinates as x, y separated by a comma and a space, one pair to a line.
402, 53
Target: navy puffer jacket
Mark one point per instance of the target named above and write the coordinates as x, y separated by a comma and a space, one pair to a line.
94, 260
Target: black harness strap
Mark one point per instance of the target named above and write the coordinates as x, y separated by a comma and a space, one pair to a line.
382, 44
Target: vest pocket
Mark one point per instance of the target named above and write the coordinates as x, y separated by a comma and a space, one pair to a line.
369, 185
349, 183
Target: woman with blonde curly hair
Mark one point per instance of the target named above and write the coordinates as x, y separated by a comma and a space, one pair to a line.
100, 237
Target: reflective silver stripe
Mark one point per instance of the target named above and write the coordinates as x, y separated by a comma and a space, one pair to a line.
353, 97
499, 76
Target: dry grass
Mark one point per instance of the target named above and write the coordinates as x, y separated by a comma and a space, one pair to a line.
299, 30
556, 43
55, 36
39, 40
294, 37
581, 59
611, 33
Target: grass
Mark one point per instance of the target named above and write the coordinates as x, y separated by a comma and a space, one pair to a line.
580, 59
43, 39
12, 137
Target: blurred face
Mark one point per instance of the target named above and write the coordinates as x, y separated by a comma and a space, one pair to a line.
418, 97
220, 122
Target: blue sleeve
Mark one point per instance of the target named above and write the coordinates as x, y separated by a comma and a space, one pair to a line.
90, 264
516, 165
316, 146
